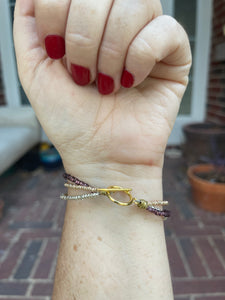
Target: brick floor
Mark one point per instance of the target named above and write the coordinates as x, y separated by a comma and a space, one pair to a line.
31, 228
195, 241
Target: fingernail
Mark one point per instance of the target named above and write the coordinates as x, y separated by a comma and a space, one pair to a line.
127, 79
55, 46
81, 75
105, 84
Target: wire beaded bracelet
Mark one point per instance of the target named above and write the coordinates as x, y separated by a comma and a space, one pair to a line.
77, 184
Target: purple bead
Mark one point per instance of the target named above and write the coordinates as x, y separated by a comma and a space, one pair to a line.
167, 213
162, 213
75, 180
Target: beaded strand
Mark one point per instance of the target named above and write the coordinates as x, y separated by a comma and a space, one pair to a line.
77, 184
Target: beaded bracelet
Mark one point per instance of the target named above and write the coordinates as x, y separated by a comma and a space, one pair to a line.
75, 183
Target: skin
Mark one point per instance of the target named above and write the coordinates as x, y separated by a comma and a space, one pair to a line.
107, 252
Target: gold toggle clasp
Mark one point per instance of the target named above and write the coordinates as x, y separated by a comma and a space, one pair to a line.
114, 189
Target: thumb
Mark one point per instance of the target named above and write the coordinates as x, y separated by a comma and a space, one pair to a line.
29, 53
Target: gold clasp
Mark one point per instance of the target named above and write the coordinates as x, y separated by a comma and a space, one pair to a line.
114, 189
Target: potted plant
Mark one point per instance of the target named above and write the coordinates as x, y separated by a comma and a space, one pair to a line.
198, 140
208, 184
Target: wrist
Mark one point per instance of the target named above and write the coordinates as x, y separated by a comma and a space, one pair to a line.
132, 238
145, 181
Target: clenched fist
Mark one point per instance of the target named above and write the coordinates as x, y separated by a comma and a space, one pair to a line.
139, 59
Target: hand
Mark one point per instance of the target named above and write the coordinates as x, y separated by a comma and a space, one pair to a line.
102, 137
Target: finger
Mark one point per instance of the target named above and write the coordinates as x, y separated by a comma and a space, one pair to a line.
27, 46
31, 57
24, 31
51, 19
126, 19
85, 28
160, 50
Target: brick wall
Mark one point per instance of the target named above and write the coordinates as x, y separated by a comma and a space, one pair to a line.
2, 98
216, 87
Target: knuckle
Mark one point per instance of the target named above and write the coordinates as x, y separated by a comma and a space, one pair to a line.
48, 4
80, 40
44, 4
172, 24
112, 50
49, 11
168, 20
140, 49
179, 32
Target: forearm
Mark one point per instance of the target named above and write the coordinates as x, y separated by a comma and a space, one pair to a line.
113, 252
107, 251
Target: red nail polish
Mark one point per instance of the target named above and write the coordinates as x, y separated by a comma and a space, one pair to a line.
55, 46
81, 75
127, 79
105, 84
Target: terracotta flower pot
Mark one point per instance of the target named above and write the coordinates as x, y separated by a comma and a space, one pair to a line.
207, 195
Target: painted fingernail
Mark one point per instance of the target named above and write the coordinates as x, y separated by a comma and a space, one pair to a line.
55, 46
105, 84
127, 79
81, 75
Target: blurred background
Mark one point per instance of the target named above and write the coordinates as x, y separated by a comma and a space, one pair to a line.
31, 214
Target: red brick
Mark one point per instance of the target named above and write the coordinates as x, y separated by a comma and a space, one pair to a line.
30, 225
177, 222
60, 219
217, 38
214, 222
40, 210
40, 234
176, 263
213, 262
30, 298
199, 286
51, 211
210, 298
42, 289
46, 260
4, 243
220, 244
10, 261
13, 288
193, 258
26, 265
22, 214
193, 231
